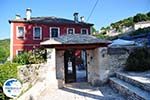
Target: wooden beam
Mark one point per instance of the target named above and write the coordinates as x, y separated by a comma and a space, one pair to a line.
76, 46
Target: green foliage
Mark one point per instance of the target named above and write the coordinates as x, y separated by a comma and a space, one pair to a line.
141, 31
22, 58
128, 22
32, 57
2, 96
138, 60
122, 23
102, 28
4, 50
148, 14
93, 30
101, 36
7, 71
140, 17
37, 56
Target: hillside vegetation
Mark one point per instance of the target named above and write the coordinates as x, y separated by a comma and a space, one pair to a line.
127, 22
144, 32
4, 50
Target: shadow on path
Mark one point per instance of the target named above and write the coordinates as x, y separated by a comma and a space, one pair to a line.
86, 94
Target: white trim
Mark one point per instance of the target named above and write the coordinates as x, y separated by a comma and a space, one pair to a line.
40, 32
84, 29
18, 50
11, 41
71, 28
17, 32
51, 33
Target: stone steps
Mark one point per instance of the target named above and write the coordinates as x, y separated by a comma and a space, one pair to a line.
131, 92
139, 81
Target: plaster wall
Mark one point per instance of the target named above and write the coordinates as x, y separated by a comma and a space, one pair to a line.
51, 62
60, 69
98, 69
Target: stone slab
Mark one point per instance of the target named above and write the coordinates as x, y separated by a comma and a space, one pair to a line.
128, 90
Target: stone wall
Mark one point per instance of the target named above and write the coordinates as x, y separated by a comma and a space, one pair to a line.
117, 57
103, 62
28, 74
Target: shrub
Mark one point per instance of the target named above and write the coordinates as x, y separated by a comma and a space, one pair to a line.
141, 31
4, 50
2, 96
138, 60
101, 35
7, 71
35, 56
22, 58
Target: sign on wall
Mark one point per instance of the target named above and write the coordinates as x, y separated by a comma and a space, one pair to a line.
12, 88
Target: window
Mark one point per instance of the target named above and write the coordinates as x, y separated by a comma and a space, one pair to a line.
54, 31
84, 31
37, 33
20, 32
19, 52
70, 31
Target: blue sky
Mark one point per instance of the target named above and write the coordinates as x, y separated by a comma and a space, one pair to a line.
106, 11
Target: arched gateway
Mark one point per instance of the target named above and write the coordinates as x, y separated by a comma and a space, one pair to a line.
74, 57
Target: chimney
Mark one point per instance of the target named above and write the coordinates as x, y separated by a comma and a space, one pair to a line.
82, 18
75, 17
28, 13
18, 16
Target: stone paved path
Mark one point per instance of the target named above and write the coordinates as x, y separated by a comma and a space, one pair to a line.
43, 90
80, 91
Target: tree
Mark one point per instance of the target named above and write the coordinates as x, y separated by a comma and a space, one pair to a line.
103, 28
139, 17
4, 50
93, 30
148, 14
3, 55
138, 60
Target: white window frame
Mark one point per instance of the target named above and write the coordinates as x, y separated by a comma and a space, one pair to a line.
85, 29
50, 30
17, 32
71, 28
18, 51
34, 32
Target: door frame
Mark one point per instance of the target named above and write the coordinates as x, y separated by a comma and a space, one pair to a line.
69, 54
